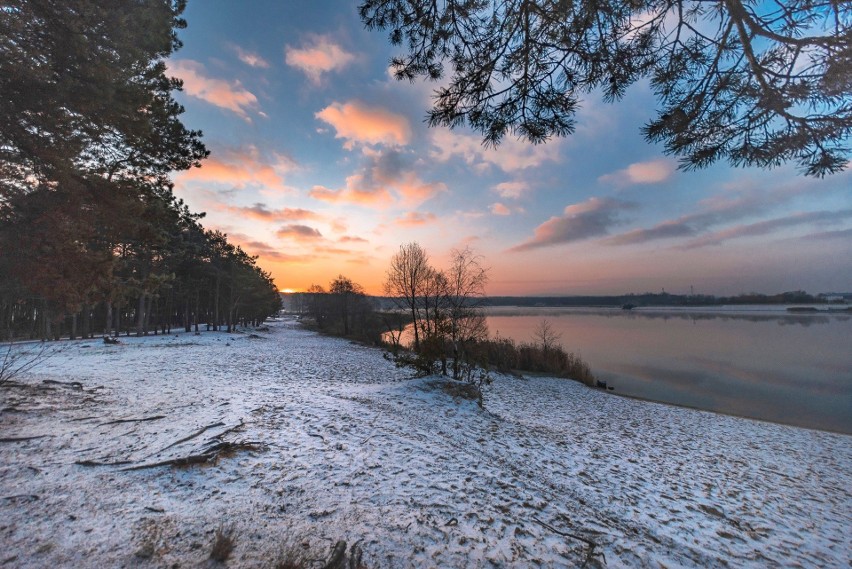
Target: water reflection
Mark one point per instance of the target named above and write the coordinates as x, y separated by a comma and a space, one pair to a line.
693, 315
761, 363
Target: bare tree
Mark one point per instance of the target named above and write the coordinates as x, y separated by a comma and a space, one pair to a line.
546, 337
466, 280
16, 361
405, 281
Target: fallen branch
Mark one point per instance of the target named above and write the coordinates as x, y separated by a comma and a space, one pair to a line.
231, 430
183, 461
592, 545
193, 435
96, 463
28, 497
73, 384
19, 439
209, 455
115, 422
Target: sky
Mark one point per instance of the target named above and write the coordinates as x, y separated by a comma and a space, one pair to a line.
321, 164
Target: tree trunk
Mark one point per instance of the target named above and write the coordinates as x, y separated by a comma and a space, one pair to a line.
140, 315
149, 307
108, 320
187, 325
84, 325
216, 303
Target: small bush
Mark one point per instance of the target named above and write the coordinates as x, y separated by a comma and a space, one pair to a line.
506, 356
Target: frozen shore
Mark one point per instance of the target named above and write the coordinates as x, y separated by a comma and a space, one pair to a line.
341, 445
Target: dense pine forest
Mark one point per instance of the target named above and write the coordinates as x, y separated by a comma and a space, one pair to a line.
92, 238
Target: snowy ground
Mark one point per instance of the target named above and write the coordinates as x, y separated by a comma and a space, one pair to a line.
354, 449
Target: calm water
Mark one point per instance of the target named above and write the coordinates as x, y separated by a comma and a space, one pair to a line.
759, 362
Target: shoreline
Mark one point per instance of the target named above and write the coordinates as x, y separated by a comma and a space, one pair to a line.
332, 442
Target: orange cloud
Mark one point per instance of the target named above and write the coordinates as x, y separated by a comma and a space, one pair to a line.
415, 191
413, 218
260, 212
355, 191
240, 169
650, 172
320, 55
264, 250
224, 94
299, 232
358, 123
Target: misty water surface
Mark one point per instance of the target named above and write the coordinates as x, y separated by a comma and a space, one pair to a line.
759, 362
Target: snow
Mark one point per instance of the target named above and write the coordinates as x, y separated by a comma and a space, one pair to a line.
353, 448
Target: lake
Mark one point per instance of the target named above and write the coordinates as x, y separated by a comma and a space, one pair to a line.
755, 361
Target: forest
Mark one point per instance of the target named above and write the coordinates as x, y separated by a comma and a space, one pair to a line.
92, 238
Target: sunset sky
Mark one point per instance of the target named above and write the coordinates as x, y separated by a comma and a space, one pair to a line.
322, 165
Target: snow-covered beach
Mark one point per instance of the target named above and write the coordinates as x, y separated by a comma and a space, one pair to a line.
338, 444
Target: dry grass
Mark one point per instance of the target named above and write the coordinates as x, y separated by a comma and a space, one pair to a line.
461, 390
223, 544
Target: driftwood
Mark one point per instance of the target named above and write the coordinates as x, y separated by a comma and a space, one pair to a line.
183, 461
208, 455
115, 422
72, 384
27, 497
96, 463
592, 545
19, 439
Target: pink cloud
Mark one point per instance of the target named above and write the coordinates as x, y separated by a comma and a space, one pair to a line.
352, 239
591, 218
250, 58
358, 123
510, 190
413, 218
651, 172
511, 156
319, 55
229, 95
499, 209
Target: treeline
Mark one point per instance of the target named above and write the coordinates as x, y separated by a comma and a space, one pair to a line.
657, 299
92, 239
433, 320
344, 309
